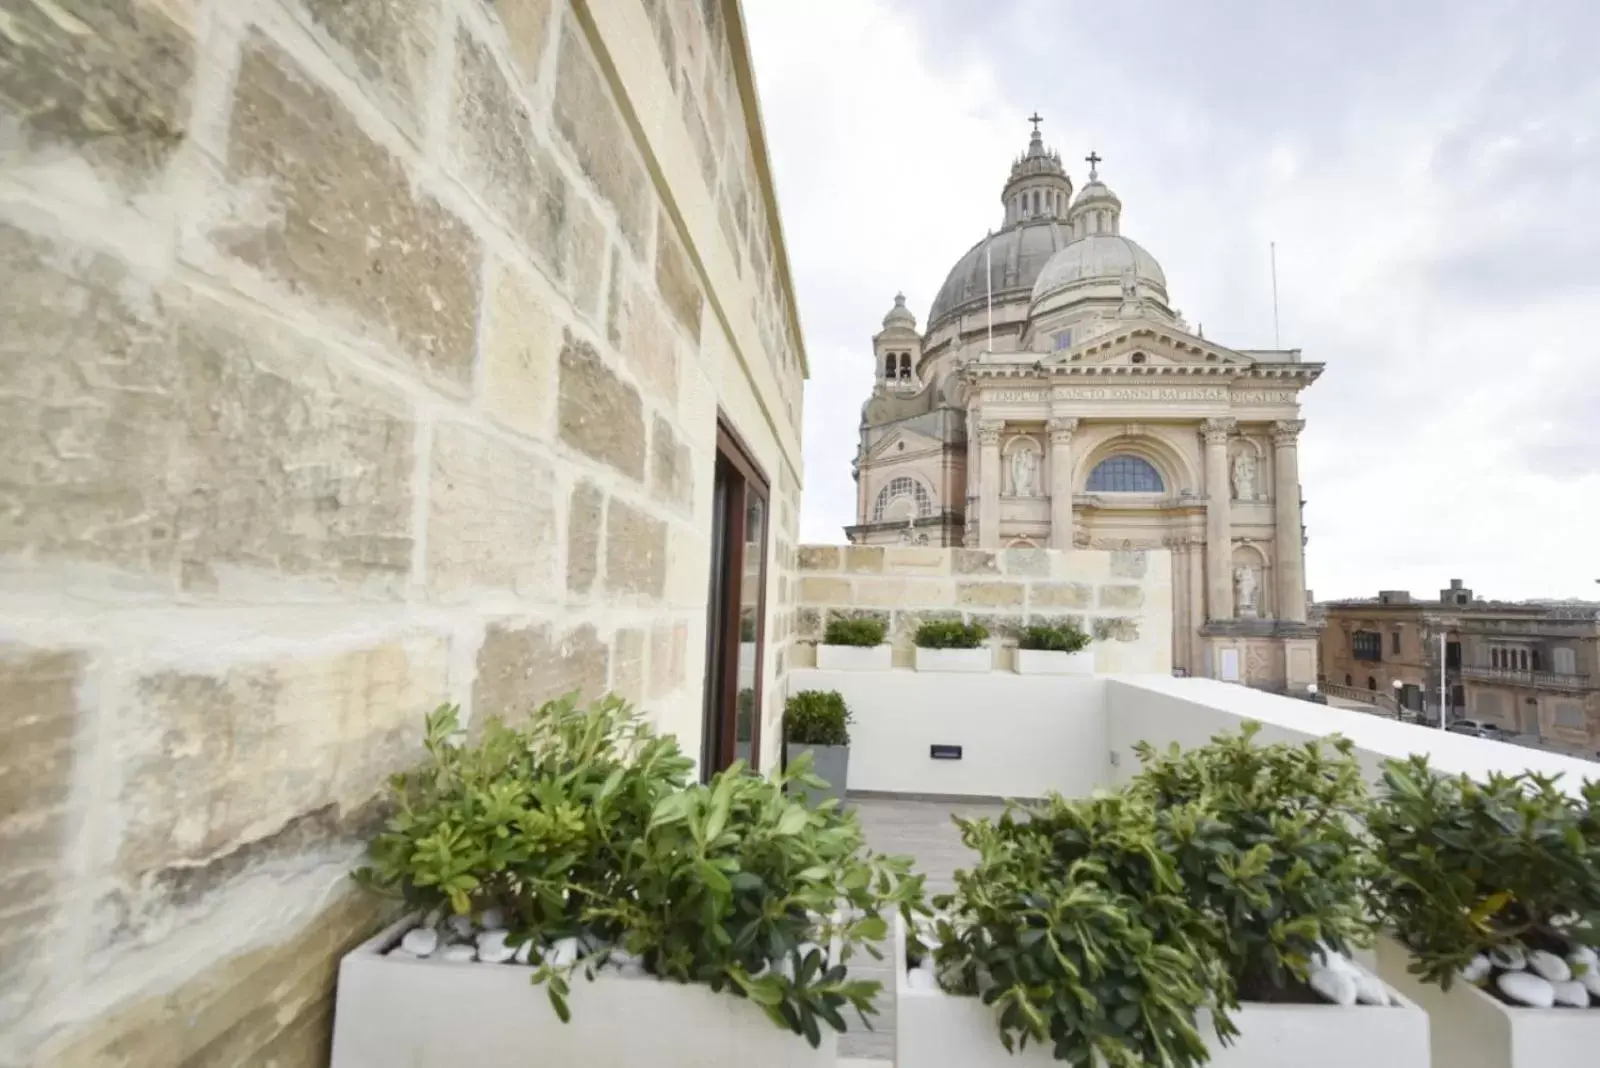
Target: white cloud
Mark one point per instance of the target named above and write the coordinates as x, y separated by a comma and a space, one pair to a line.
1426, 170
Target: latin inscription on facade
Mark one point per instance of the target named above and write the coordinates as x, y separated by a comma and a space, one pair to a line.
1141, 393
1016, 396
1263, 396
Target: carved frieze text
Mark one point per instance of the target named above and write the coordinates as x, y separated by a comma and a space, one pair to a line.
1141, 393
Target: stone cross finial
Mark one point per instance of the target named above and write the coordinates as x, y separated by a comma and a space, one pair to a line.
1094, 159
1036, 119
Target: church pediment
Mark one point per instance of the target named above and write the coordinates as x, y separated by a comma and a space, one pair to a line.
1155, 345
902, 443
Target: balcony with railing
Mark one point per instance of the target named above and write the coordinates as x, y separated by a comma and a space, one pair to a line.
1536, 680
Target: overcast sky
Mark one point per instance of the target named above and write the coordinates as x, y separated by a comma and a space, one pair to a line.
1430, 172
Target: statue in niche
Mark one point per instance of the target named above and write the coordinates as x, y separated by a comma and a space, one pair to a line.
1024, 469
1245, 588
1244, 476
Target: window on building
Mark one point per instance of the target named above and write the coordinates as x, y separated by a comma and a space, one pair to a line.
888, 366
905, 365
1063, 340
1394, 643
1366, 645
1036, 202
1522, 659
1533, 660
1494, 658
1372, 683
1347, 681
1565, 660
1125, 474
902, 487
1452, 655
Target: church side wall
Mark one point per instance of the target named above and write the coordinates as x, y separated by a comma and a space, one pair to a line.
1123, 599
358, 357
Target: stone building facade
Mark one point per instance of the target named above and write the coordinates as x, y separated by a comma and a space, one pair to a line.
357, 358
1057, 399
1532, 668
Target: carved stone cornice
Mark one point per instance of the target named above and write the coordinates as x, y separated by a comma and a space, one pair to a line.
989, 431
1287, 431
1061, 430
1217, 431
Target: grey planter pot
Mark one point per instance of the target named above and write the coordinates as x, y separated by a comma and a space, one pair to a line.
832, 763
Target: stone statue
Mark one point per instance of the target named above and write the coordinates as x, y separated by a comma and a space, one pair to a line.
1023, 469
1245, 588
1130, 285
1244, 476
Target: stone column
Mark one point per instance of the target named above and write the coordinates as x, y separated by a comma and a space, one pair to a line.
1219, 520
1195, 550
1286, 494
989, 483
1061, 482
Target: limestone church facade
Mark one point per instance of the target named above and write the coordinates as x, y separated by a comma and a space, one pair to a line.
1057, 399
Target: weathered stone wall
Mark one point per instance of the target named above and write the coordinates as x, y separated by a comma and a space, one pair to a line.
354, 358
1122, 599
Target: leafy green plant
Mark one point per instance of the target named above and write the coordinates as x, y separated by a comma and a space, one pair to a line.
951, 634
859, 632
1283, 863
583, 822
1469, 867
1054, 638
816, 717
1076, 926
747, 627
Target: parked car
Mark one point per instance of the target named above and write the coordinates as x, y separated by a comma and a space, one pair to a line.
1479, 729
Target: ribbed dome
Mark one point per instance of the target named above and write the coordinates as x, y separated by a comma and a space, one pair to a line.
1018, 253
900, 315
1099, 257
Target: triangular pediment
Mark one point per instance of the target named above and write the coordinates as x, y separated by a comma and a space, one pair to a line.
902, 442
1155, 345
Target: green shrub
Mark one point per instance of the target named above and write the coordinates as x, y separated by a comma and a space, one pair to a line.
584, 822
1468, 867
747, 627
951, 634
1284, 862
862, 632
1054, 638
1075, 926
816, 717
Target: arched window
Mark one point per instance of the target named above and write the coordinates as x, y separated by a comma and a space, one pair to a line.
1523, 659
1347, 681
1372, 683
902, 487
1036, 202
905, 365
888, 366
1494, 658
1125, 474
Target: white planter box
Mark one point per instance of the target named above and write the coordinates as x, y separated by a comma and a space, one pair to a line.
1050, 662
979, 659
398, 1010
854, 657
1473, 1029
936, 1030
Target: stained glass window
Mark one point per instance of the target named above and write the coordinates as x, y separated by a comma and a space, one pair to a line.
1125, 474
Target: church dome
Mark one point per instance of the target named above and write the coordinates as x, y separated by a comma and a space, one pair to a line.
900, 315
1015, 257
1099, 258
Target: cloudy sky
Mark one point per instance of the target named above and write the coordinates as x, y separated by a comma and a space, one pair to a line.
1430, 171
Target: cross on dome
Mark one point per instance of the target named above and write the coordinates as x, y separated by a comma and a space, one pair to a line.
1094, 159
1036, 119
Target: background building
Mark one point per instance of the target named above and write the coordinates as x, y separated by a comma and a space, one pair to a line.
1082, 411
1532, 668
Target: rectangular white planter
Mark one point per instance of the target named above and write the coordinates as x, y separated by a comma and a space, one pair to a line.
1051, 662
397, 1010
854, 657
1473, 1029
979, 659
937, 1030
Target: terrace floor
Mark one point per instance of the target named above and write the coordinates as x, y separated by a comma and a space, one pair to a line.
923, 830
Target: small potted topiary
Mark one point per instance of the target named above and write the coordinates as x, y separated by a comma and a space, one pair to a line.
1492, 892
951, 645
854, 645
818, 722
1054, 649
577, 843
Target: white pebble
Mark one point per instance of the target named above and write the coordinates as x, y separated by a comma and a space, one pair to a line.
1591, 982
1571, 993
1371, 991
524, 952
562, 952
1477, 969
1585, 956
492, 919
917, 979
1549, 966
420, 941
1508, 958
1527, 989
461, 926
458, 953
492, 948
1335, 985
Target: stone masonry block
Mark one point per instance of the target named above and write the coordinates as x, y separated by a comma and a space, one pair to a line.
193, 747
639, 329
863, 559
899, 560
109, 79
907, 620
1121, 629
491, 517
333, 215
590, 122
600, 415
1060, 595
584, 515
1121, 597
671, 466
493, 145
170, 435
989, 594
521, 666
521, 356
526, 23
392, 46
895, 592
975, 562
1030, 563
1006, 627
636, 551
819, 591
1131, 563
700, 137
627, 665
819, 558
669, 654
808, 623
678, 281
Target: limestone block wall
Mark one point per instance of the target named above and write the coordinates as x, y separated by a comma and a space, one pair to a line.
1122, 599
354, 358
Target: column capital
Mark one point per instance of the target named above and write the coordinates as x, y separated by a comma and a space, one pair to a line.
1217, 431
989, 431
1287, 431
1061, 430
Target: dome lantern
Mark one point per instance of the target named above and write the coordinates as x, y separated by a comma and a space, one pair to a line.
1038, 186
1097, 209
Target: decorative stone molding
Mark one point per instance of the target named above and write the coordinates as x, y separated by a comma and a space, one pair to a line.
989, 431
1061, 431
1217, 431
1287, 431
